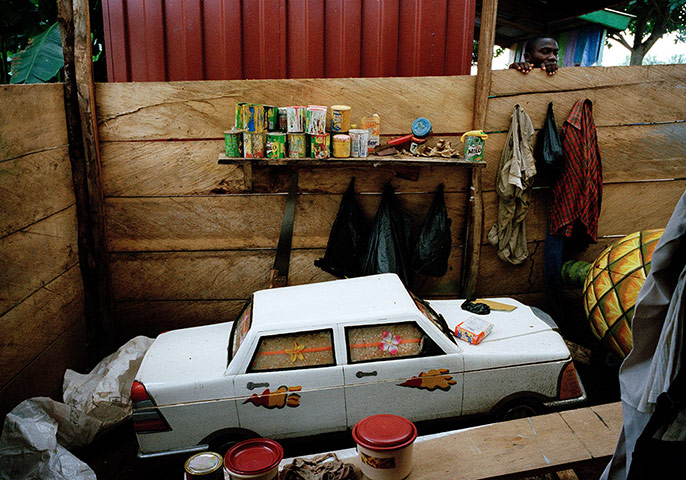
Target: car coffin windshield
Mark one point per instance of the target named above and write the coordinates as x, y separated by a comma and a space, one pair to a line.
240, 329
435, 317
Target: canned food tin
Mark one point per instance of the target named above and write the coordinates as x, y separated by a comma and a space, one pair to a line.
253, 145
282, 125
319, 146
316, 119
205, 465
238, 122
341, 145
297, 145
233, 143
276, 145
359, 138
340, 119
253, 117
271, 118
296, 119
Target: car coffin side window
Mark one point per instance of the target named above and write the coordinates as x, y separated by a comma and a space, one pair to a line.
241, 327
383, 342
294, 350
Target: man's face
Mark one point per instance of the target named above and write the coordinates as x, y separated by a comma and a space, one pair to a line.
543, 52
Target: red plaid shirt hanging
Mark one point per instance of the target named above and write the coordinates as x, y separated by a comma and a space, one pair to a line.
578, 191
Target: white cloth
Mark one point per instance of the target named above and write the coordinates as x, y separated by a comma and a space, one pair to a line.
657, 331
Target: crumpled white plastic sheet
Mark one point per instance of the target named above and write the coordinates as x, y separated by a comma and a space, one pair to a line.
38, 432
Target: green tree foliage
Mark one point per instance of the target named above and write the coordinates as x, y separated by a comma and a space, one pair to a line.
41, 61
653, 19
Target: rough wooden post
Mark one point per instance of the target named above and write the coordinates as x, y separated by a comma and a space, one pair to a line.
84, 154
475, 216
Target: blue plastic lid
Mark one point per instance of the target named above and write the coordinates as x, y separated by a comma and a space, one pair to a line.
421, 127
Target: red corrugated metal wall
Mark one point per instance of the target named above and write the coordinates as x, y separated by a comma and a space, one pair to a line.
158, 40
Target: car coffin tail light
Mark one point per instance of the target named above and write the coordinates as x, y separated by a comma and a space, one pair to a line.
147, 417
569, 383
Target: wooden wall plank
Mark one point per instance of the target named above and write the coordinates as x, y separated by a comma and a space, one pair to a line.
615, 105
32, 326
509, 82
35, 255
24, 182
202, 110
246, 221
190, 168
32, 119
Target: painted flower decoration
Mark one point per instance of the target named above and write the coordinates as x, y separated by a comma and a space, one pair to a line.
389, 342
296, 352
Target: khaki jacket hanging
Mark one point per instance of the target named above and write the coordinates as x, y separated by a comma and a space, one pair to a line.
513, 185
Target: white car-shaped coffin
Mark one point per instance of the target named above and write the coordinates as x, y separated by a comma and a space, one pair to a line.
318, 358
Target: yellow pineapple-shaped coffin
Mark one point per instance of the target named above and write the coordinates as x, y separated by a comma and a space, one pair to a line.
612, 285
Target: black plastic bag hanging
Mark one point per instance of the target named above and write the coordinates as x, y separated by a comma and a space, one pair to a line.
347, 239
548, 149
388, 248
432, 249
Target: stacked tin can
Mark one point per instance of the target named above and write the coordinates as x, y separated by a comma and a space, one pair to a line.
250, 119
340, 126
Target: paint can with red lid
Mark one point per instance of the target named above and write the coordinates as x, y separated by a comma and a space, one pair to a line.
254, 459
385, 443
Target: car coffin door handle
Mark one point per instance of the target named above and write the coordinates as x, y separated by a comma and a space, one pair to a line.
252, 386
366, 374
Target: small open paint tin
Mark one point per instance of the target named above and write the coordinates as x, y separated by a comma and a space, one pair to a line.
385, 444
204, 466
254, 459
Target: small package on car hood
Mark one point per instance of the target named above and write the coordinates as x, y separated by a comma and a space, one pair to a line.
473, 330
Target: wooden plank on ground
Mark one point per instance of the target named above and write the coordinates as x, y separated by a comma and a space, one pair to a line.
612, 106
202, 110
519, 448
36, 255
34, 186
245, 221
32, 326
32, 119
509, 82
231, 275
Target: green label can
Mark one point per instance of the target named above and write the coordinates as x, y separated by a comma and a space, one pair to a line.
276, 145
473, 148
238, 123
233, 143
297, 145
271, 118
319, 146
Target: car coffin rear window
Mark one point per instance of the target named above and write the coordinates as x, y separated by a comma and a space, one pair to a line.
294, 350
241, 327
379, 342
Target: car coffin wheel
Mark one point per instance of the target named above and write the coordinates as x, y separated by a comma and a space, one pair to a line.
220, 442
519, 409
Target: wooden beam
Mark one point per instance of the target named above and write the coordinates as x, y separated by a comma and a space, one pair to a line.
74, 20
475, 215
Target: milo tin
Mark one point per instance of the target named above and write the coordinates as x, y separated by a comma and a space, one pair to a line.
474, 141
233, 143
297, 145
253, 145
238, 122
271, 118
359, 138
276, 145
253, 117
319, 146
206, 466
316, 119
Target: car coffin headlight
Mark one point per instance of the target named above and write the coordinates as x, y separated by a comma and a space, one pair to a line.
147, 418
569, 383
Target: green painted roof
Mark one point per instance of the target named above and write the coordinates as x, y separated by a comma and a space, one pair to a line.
609, 19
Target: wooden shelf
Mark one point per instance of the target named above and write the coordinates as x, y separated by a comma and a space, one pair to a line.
372, 161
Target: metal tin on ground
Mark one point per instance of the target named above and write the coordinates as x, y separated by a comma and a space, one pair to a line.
276, 145
233, 143
296, 119
205, 466
297, 145
358, 142
341, 145
253, 145
319, 146
340, 119
253, 117
238, 122
316, 119
271, 118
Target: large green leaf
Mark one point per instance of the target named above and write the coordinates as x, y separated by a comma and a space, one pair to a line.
41, 60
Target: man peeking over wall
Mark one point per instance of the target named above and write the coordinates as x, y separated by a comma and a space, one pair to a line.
539, 52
